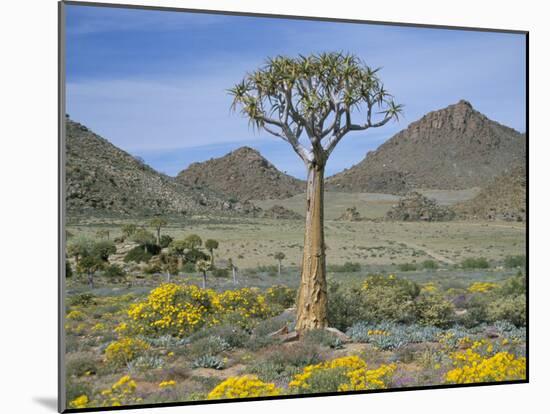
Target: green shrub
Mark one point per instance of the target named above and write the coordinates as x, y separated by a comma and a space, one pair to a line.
299, 354
114, 271
321, 337
188, 267
348, 267
234, 336
430, 264
138, 255
514, 286
344, 306
103, 249
407, 267
81, 364
515, 261
434, 310
165, 240
83, 299
281, 296
326, 380
381, 298
211, 345
476, 311
220, 272
475, 263
509, 308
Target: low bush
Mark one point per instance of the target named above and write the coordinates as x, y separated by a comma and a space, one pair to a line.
119, 353
208, 361
380, 298
220, 272
475, 263
83, 299
282, 296
348, 267
138, 255
207, 346
433, 309
509, 308
407, 267
114, 271
165, 240
515, 261
322, 337
430, 264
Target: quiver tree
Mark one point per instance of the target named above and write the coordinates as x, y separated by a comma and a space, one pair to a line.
158, 223
211, 245
312, 103
233, 268
279, 256
203, 266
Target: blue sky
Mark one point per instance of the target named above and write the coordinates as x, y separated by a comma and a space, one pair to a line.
154, 82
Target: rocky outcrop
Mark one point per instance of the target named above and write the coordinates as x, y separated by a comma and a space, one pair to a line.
416, 207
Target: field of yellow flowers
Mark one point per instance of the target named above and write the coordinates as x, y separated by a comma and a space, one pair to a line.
179, 342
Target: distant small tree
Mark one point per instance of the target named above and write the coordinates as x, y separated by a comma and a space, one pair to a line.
203, 266
193, 241
169, 265
158, 223
233, 268
279, 256
79, 247
165, 240
188, 250
90, 264
128, 230
144, 238
102, 234
211, 245
178, 248
103, 249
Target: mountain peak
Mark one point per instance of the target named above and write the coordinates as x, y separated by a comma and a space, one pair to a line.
243, 174
455, 147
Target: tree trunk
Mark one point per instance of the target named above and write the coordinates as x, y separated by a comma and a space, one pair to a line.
279, 268
91, 280
234, 275
168, 277
158, 236
212, 258
312, 299
204, 280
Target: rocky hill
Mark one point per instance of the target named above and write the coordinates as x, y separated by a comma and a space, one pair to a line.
503, 199
243, 175
453, 148
103, 179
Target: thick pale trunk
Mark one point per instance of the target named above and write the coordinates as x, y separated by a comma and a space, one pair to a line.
204, 280
91, 280
279, 268
312, 299
168, 277
234, 276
